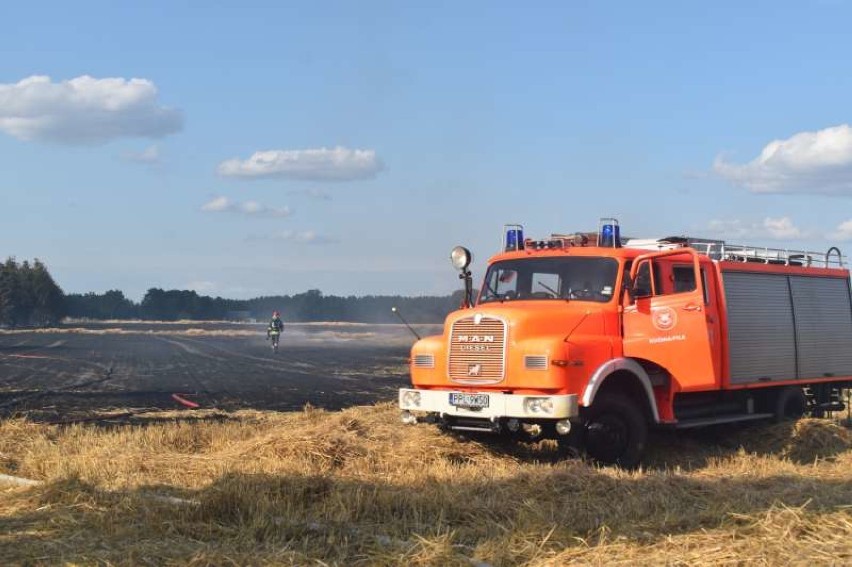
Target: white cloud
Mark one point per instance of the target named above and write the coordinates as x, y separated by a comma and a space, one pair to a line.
321, 164
217, 205
808, 162
781, 228
249, 208
843, 231
305, 237
84, 110
313, 193
297, 236
148, 156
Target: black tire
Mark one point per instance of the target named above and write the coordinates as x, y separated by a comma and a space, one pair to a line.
790, 404
615, 432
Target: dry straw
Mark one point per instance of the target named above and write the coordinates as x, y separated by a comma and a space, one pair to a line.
356, 488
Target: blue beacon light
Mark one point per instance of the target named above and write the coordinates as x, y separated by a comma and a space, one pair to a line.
514, 239
610, 236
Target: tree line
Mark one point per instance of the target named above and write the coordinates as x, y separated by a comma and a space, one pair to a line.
30, 297
312, 305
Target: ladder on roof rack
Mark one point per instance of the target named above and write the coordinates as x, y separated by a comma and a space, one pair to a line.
765, 255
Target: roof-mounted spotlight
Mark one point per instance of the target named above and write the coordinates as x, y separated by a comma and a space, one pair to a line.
461, 257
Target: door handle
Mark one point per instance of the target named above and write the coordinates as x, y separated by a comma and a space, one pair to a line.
692, 307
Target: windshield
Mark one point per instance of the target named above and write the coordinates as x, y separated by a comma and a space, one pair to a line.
584, 279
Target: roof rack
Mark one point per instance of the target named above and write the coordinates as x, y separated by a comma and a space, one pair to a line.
720, 250
832, 258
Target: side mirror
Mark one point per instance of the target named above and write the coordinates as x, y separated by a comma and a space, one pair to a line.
637, 292
640, 285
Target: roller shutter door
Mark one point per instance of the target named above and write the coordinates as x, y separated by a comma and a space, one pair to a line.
760, 327
823, 326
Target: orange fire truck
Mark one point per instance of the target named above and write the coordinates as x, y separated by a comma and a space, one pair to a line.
591, 338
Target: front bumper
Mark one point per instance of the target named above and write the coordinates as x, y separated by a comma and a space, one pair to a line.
499, 405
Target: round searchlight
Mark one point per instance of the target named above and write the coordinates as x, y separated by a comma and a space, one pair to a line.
461, 257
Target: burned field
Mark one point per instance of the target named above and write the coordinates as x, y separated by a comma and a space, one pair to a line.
85, 369
354, 487
268, 472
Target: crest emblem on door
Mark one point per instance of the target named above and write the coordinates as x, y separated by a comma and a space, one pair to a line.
664, 318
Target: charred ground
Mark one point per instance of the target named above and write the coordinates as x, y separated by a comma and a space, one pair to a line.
238, 484
81, 369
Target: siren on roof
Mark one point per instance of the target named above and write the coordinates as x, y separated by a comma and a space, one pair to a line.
514, 237
609, 233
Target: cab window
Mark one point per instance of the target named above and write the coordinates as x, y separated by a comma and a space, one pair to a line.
664, 278
648, 281
583, 278
643, 286
546, 284
684, 280
505, 281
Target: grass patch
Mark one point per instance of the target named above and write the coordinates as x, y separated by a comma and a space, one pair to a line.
354, 487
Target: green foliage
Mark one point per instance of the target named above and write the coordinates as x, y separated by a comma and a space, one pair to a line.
312, 305
108, 305
28, 295
171, 305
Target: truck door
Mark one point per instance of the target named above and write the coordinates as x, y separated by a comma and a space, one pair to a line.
667, 322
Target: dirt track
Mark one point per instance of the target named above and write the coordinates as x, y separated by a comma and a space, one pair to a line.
223, 366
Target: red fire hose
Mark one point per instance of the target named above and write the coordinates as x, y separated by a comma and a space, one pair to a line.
181, 400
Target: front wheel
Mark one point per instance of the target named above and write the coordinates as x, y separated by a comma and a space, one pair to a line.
615, 432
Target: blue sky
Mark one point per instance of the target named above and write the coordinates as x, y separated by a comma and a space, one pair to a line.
396, 130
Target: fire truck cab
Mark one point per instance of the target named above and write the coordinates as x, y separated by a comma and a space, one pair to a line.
591, 338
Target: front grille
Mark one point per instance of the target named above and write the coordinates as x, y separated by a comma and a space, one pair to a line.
424, 360
535, 362
477, 351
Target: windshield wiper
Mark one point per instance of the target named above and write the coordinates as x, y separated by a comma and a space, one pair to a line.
494, 294
550, 289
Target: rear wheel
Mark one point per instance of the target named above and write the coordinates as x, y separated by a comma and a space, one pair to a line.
616, 432
790, 404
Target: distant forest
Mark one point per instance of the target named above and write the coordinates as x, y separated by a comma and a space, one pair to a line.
30, 297
312, 305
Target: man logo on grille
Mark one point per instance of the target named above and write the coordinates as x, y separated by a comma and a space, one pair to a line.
474, 369
475, 338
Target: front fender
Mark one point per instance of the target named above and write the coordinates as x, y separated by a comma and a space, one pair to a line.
614, 365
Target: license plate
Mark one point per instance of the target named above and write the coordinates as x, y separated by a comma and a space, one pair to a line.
463, 400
